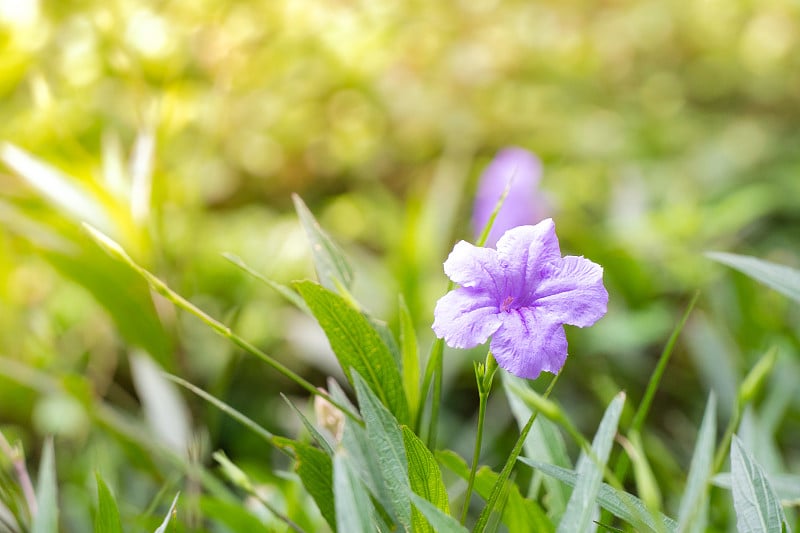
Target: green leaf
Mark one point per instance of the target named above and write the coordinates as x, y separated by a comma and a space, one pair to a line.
544, 442
410, 358
386, 440
354, 511
520, 514
581, 504
425, 478
757, 506
46, 518
437, 520
318, 437
163, 527
315, 469
107, 519
620, 504
357, 345
332, 267
365, 461
693, 510
783, 279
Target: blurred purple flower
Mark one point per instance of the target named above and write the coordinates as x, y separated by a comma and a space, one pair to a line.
520, 294
522, 205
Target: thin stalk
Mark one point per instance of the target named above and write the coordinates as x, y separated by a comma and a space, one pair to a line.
483, 376
497, 489
623, 462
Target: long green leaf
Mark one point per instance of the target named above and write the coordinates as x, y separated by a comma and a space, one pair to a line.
332, 268
315, 469
107, 519
437, 520
386, 439
544, 442
580, 507
757, 506
410, 358
783, 279
354, 511
46, 518
620, 504
693, 509
425, 478
357, 345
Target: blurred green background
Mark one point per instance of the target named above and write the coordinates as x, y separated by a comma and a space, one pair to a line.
666, 129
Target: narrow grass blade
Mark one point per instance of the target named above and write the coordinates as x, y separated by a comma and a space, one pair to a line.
291, 296
655, 379
619, 503
332, 266
318, 437
225, 408
783, 279
757, 506
46, 518
693, 509
581, 505
107, 519
386, 439
163, 527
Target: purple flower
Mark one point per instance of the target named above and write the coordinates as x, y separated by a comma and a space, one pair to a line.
521, 206
520, 294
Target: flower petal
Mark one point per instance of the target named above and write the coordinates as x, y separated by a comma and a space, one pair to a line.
571, 291
524, 251
528, 343
465, 317
471, 266
522, 205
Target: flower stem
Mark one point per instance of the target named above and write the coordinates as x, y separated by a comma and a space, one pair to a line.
484, 373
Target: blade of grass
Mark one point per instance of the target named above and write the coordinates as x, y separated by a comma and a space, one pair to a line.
623, 463
225, 408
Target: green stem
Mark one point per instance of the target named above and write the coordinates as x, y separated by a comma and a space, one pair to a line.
483, 375
497, 489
